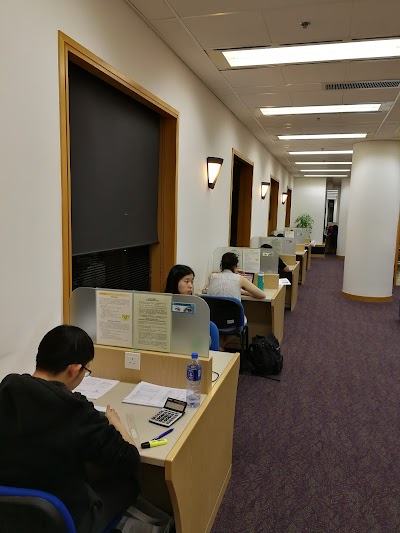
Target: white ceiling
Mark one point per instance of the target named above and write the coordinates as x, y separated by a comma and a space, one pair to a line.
197, 29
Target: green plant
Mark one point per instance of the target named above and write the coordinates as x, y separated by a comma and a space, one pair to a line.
304, 221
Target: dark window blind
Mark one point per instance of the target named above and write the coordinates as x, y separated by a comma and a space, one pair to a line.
127, 269
114, 167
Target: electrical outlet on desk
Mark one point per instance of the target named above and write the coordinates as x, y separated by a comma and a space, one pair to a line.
132, 360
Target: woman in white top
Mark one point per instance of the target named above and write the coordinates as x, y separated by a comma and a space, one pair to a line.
229, 283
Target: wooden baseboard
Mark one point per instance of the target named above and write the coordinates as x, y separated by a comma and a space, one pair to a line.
340, 256
376, 299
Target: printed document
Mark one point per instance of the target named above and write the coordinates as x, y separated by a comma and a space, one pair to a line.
152, 321
94, 388
153, 395
114, 318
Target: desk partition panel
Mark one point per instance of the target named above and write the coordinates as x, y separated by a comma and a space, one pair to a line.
189, 325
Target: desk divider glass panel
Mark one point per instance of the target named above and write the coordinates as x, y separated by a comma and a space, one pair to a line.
268, 261
168, 323
249, 259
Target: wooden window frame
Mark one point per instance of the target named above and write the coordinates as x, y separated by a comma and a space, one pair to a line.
163, 253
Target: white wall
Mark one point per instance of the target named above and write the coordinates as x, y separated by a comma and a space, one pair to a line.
309, 197
343, 213
31, 246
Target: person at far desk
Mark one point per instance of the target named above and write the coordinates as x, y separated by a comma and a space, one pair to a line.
283, 269
229, 283
50, 435
180, 280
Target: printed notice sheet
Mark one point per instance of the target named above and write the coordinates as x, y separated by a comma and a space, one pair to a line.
251, 260
114, 318
284, 281
94, 388
153, 395
152, 322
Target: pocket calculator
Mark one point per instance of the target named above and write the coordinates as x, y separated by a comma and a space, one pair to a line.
173, 409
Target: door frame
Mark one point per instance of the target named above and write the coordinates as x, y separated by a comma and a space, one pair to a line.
245, 199
288, 204
273, 205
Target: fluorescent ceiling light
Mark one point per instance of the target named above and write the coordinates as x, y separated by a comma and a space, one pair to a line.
323, 163
323, 136
325, 170
314, 53
322, 152
320, 109
325, 176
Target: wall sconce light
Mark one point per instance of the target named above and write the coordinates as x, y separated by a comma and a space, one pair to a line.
264, 189
284, 197
214, 165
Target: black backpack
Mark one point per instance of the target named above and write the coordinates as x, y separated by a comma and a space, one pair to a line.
264, 356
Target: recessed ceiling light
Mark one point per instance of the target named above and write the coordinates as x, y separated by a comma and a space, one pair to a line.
325, 176
325, 170
320, 109
322, 152
323, 163
323, 136
313, 53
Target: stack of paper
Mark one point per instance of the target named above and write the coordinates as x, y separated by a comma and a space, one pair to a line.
153, 395
94, 388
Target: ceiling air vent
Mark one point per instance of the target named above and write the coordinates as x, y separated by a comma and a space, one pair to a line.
362, 85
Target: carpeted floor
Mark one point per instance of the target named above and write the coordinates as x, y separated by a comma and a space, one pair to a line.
319, 452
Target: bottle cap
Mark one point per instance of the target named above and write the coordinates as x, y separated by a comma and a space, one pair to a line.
195, 355
261, 273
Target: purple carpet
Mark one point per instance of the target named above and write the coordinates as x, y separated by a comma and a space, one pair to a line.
319, 452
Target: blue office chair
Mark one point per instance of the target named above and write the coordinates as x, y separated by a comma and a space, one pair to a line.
228, 315
214, 334
36, 511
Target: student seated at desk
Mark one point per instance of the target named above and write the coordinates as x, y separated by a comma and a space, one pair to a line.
229, 283
50, 434
180, 280
283, 269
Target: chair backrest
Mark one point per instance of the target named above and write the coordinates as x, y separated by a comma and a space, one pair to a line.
35, 511
214, 334
227, 313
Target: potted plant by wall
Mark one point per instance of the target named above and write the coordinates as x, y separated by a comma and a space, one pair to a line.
304, 221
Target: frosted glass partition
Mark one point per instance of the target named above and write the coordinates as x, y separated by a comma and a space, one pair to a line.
219, 252
249, 258
255, 242
190, 332
288, 246
299, 236
268, 261
275, 242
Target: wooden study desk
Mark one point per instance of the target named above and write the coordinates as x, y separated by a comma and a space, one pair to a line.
302, 257
308, 248
292, 291
188, 476
266, 316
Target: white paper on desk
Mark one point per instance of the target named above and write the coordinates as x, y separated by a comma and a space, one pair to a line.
284, 281
94, 388
153, 395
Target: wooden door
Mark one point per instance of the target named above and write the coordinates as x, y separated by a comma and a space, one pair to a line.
288, 208
241, 194
273, 206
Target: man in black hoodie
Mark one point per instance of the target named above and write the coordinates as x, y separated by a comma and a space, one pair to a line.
50, 435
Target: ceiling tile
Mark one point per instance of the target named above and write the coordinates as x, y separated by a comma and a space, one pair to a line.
267, 100
378, 69
257, 89
372, 18
328, 22
360, 96
193, 8
317, 98
227, 31
314, 73
254, 76
156, 9
386, 132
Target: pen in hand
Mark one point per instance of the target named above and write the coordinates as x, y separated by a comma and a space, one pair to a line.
163, 434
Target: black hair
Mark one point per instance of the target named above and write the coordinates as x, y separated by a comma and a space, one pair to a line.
64, 346
280, 235
229, 261
265, 245
175, 275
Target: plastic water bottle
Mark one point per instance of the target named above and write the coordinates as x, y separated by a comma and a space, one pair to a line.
260, 281
193, 376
